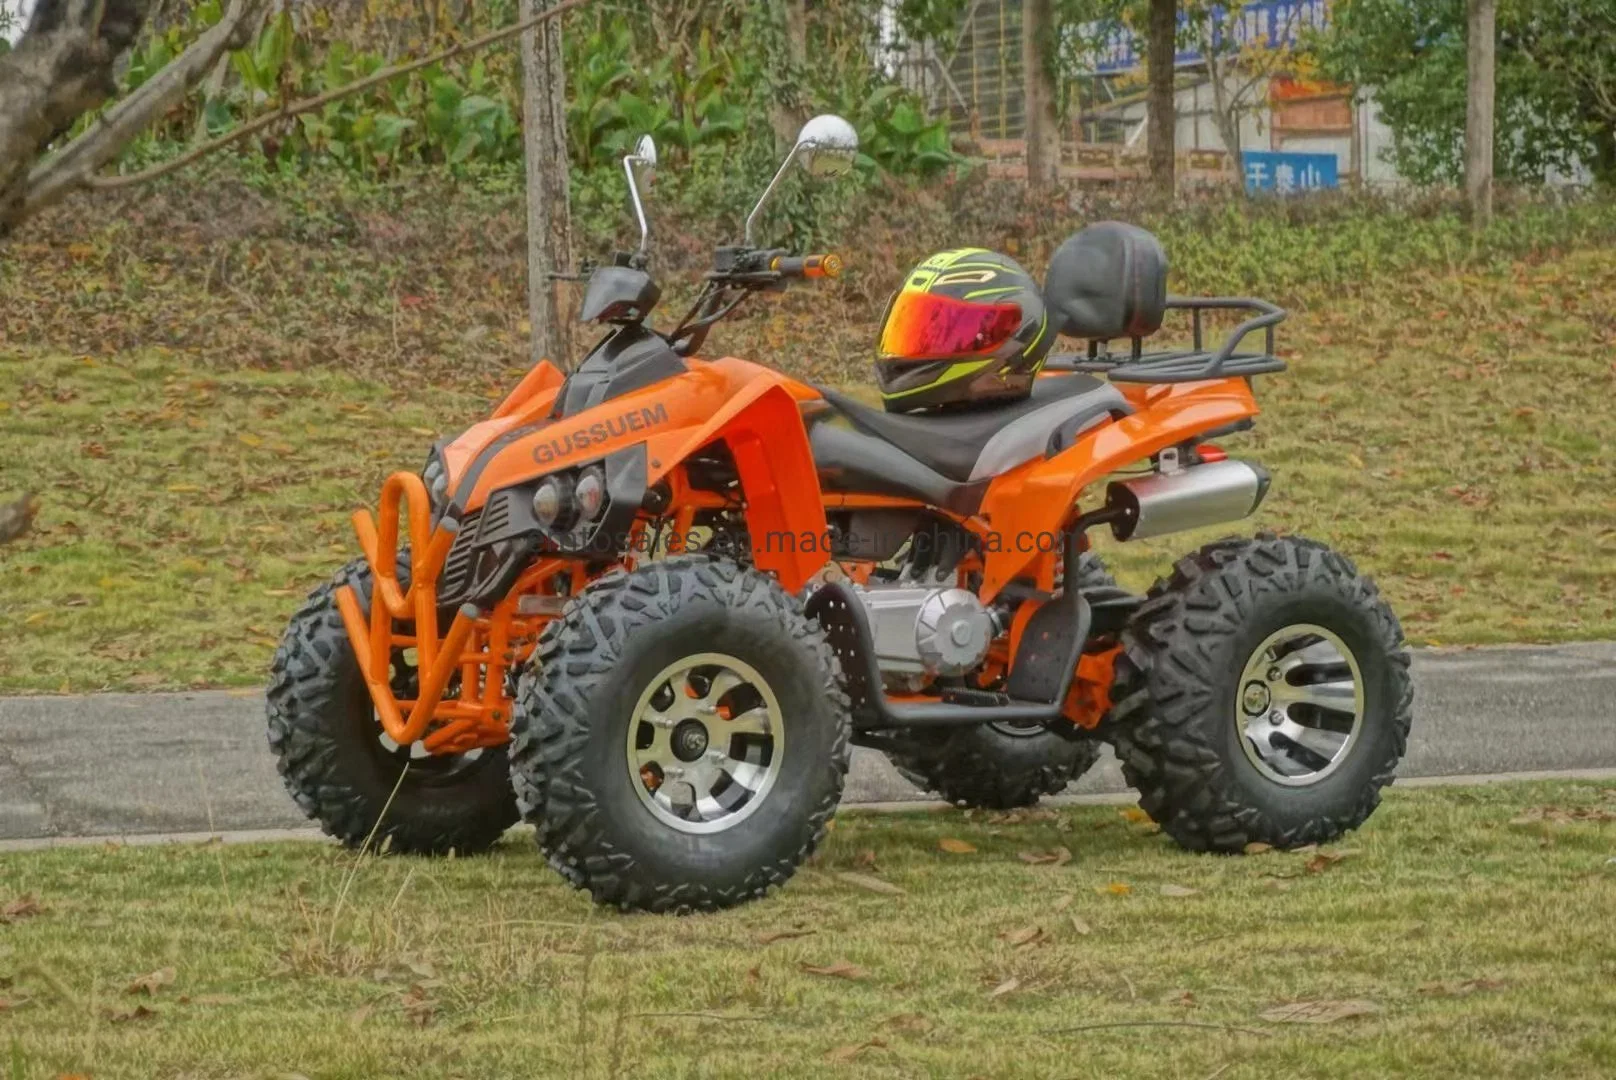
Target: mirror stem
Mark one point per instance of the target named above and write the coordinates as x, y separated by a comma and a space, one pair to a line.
751, 218
639, 207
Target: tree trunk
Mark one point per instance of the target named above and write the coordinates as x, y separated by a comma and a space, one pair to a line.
1163, 46
1225, 113
549, 207
1038, 87
1482, 43
787, 114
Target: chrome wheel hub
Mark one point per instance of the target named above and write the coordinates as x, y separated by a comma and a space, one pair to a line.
1300, 706
705, 743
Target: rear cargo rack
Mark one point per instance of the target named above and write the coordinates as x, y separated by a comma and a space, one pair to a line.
1195, 364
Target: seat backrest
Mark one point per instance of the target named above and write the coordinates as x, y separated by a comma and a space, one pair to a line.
1107, 281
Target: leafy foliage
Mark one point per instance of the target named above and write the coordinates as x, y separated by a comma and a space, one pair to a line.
707, 96
1556, 82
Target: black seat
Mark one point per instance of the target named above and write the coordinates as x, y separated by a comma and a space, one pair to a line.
978, 444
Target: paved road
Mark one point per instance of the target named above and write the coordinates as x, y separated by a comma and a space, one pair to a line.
121, 764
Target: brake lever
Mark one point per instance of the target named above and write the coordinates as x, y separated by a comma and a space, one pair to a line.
585, 269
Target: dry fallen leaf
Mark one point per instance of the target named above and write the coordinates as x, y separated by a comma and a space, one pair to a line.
783, 935
150, 984
418, 1008
839, 970
1562, 815
1326, 859
844, 1054
1064, 902
1135, 815
956, 847
1027, 935
1008, 986
24, 907
1081, 927
1184, 999
909, 1023
873, 884
1257, 847
1461, 989
1115, 888
139, 1012
1060, 856
1178, 890
1319, 1012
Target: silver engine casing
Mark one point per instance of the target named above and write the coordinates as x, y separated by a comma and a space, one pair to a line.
928, 631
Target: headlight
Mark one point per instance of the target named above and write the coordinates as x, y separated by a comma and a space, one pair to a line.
436, 478
590, 494
552, 502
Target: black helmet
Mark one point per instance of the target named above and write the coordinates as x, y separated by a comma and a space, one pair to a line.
968, 326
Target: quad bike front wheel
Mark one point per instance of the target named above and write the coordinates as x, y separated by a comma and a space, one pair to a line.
345, 772
1000, 766
681, 739
1262, 696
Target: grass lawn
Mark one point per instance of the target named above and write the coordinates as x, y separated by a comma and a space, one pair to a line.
1466, 930
1453, 435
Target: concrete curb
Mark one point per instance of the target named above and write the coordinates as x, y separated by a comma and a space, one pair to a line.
1115, 798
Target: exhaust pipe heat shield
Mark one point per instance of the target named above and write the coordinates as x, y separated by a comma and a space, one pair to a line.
1211, 493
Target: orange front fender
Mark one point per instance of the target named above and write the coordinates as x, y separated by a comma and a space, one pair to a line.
762, 426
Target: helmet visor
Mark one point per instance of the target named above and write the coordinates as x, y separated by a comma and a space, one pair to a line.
924, 326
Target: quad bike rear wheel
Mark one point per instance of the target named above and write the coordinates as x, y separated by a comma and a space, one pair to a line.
681, 739
1262, 696
344, 771
1000, 766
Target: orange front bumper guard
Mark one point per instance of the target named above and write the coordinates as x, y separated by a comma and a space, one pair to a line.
404, 494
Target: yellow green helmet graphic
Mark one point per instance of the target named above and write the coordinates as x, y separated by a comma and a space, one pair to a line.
968, 327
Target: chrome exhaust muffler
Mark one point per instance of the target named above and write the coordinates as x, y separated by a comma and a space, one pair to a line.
1211, 493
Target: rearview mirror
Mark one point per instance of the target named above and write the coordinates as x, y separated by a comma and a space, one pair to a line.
827, 146
640, 168
644, 158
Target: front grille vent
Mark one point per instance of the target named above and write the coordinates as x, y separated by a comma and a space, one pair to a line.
456, 568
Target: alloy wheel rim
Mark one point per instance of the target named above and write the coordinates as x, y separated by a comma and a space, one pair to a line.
705, 743
1299, 705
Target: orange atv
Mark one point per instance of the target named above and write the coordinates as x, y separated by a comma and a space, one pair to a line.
648, 606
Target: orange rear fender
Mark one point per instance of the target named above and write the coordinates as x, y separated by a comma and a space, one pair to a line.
1030, 505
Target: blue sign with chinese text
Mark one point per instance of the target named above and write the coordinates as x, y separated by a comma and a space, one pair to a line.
1287, 173
1110, 49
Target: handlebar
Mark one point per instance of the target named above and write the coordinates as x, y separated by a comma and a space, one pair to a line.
807, 266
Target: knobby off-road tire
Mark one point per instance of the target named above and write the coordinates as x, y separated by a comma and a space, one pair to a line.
1177, 721
581, 698
328, 747
997, 766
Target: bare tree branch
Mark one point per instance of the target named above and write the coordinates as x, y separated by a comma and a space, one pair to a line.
78, 161
63, 68
60, 69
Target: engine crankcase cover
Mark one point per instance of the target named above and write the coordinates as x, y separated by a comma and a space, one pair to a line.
952, 631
